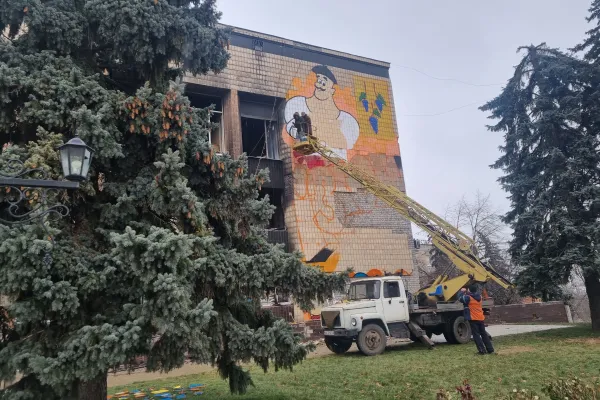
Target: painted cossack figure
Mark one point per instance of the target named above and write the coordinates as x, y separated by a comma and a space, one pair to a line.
337, 129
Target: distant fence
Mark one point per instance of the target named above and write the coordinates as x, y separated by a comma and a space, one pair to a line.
548, 312
284, 311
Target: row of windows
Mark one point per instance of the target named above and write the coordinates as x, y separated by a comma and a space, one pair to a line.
260, 129
260, 134
371, 290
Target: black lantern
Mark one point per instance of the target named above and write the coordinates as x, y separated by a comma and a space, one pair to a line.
28, 200
75, 157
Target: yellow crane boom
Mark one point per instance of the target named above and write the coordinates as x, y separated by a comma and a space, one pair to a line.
455, 244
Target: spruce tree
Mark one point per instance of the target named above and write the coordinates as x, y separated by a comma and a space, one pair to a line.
163, 254
591, 53
548, 113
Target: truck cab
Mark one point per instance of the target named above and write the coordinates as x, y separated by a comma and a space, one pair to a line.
380, 307
374, 309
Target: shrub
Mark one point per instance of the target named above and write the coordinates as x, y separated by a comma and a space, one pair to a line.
465, 391
573, 389
562, 389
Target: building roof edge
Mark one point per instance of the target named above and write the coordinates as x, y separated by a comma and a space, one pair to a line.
302, 45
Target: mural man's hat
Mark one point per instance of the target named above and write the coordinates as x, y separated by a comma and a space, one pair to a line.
323, 70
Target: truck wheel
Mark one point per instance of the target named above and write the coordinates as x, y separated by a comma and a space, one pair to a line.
458, 331
371, 340
338, 346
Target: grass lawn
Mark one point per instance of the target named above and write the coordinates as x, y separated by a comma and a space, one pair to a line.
411, 371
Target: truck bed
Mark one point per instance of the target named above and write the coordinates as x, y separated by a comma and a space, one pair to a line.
444, 307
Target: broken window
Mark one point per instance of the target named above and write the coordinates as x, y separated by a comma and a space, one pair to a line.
272, 139
260, 138
260, 130
215, 136
201, 100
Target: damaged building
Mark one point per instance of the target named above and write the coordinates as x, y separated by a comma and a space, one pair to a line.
320, 211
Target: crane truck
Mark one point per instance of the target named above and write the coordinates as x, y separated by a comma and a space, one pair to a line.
378, 308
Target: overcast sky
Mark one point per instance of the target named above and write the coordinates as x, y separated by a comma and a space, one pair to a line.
444, 156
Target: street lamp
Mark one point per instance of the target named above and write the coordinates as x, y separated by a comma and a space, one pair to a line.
75, 157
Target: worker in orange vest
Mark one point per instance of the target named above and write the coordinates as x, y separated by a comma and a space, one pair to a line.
474, 314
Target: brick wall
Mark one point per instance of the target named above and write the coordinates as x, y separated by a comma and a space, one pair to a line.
328, 216
550, 312
311, 330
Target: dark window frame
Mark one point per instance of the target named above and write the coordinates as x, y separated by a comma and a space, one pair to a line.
386, 290
270, 132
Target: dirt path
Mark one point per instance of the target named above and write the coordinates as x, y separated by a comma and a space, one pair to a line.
123, 378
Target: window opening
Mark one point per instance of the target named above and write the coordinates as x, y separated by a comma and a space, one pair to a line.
216, 135
260, 138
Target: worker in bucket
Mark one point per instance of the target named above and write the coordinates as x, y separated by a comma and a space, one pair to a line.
303, 126
474, 314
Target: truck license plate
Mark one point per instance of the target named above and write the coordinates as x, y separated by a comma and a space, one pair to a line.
329, 333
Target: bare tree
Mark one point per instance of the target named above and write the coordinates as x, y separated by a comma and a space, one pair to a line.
423, 264
479, 219
577, 296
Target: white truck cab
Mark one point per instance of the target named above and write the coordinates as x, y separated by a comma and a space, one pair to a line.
378, 308
374, 309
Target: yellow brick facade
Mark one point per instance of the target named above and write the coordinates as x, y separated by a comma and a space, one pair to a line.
328, 217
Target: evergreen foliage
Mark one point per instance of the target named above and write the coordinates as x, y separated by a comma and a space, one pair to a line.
163, 254
548, 113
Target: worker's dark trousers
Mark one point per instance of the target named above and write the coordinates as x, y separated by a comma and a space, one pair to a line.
481, 338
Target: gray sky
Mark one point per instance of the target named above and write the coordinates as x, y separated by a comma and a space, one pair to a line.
475, 41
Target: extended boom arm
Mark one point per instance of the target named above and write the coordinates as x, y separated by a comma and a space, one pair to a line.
454, 243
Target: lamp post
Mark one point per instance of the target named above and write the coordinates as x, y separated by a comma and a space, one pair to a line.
75, 158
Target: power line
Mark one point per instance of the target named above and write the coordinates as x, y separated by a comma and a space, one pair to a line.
440, 113
447, 79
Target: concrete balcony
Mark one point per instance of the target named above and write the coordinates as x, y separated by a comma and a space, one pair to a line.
275, 170
278, 236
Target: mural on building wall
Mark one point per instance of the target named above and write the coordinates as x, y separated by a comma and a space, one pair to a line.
339, 225
335, 121
376, 108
